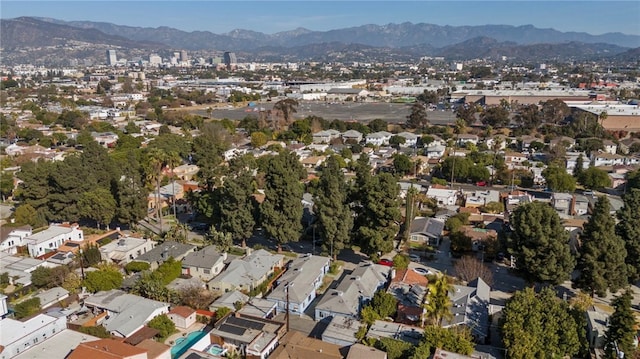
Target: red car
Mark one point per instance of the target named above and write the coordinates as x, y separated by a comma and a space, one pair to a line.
481, 183
386, 262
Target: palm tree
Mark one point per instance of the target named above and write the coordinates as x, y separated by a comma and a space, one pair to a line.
156, 162
437, 304
172, 159
287, 108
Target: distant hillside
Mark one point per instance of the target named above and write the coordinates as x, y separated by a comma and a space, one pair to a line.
390, 35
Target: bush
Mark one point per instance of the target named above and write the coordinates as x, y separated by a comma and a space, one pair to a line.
164, 325
105, 279
400, 261
135, 267
27, 308
97, 331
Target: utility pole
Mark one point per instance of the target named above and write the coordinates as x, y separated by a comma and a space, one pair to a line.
287, 308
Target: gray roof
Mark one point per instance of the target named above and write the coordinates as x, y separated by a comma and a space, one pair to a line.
258, 307
228, 300
249, 269
128, 312
52, 295
341, 329
164, 251
345, 91
470, 306
407, 333
363, 282
207, 257
300, 276
428, 226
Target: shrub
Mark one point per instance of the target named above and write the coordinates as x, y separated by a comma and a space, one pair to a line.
27, 308
135, 267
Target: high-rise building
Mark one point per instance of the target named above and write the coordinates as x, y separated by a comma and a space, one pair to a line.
112, 59
155, 60
229, 59
183, 56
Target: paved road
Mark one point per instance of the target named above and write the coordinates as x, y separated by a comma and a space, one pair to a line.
348, 111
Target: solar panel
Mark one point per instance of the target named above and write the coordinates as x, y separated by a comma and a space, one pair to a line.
245, 323
232, 329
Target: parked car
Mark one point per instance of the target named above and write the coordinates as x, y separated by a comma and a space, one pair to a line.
386, 262
481, 183
414, 258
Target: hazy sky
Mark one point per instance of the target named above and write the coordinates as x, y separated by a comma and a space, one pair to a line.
594, 17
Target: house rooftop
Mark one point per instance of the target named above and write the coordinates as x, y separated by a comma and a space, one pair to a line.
54, 230
105, 349
164, 251
300, 275
297, 345
57, 346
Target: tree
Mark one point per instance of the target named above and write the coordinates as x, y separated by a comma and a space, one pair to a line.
196, 297
395, 141
540, 244
438, 304
332, 208
91, 255
379, 214
628, 228
535, 326
236, 203
164, 325
555, 111
418, 116
258, 139
402, 164
558, 180
72, 282
469, 268
602, 253
579, 168
455, 339
621, 330
152, 286
528, 117
401, 261
131, 195
221, 240
594, 178
394, 348
97, 331
286, 107
26, 214
27, 308
98, 205
135, 267
41, 277
385, 304
495, 116
460, 242
281, 211
377, 125
102, 280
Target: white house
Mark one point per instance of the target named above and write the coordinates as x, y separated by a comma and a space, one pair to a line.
300, 283
467, 138
18, 336
126, 249
411, 139
435, 150
53, 237
352, 136
204, 264
378, 138
606, 159
572, 160
13, 237
183, 317
610, 147
325, 136
445, 197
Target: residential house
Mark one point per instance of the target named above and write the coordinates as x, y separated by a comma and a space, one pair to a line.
126, 313
496, 143
409, 288
182, 316
606, 159
352, 136
361, 351
411, 139
597, 322
52, 297
426, 230
19, 268
526, 141
107, 348
378, 138
572, 160
155, 350
229, 300
259, 307
354, 292
398, 331
618, 181
406, 186
13, 237
256, 336
312, 163
470, 307
204, 264
465, 138
19, 336
57, 346
247, 273
298, 285
341, 331
126, 249
562, 203
295, 344
478, 236
610, 147
514, 199
625, 145
53, 237
164, 251
580, 205
481, 198
325, 136
435, 150
444, 197
564, 141
515, 158
105, 139
186, 172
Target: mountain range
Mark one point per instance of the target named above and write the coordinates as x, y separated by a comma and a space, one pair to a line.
392, 41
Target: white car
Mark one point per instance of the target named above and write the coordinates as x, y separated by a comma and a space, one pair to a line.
414, 258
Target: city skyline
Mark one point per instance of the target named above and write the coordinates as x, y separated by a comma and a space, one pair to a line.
593, 17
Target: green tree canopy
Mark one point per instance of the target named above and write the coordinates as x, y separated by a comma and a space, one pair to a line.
539, 325
602, 253
594, 178
163, 324
281, 211
628, 228
379, 215
98, 205
438, 304
103, 279
558, 180
621, 331
540, 244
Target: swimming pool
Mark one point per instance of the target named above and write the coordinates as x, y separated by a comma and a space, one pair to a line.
183, 344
